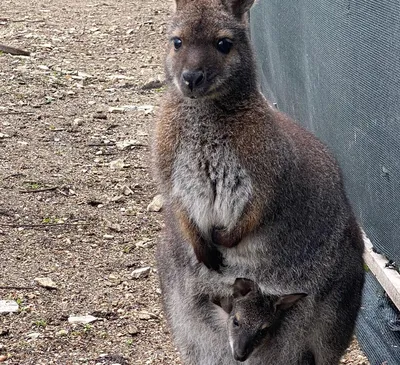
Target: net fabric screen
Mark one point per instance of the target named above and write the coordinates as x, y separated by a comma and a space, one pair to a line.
335, 67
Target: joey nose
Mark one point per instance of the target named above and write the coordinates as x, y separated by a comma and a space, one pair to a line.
193, 79
240, 357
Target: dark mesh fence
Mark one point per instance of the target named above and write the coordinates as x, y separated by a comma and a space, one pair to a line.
334, 65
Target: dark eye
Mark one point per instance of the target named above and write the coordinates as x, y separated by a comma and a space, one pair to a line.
177, 42
235, 322
224, 45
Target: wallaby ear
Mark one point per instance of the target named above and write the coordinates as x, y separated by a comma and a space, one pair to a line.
239, 7
242, 287
287, 301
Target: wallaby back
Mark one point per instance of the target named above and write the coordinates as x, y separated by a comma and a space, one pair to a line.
249, 194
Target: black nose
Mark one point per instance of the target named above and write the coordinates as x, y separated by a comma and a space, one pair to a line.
240, 357
193, 78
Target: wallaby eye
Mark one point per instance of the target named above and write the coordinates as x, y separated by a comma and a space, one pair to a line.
235, 322
177, 42
224, 45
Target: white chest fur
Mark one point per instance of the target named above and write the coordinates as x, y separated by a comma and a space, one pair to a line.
211, 184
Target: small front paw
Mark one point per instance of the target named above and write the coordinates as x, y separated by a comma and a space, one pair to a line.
210, 256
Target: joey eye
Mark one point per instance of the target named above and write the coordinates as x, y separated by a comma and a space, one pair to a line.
224, 45
235, 322
177, 42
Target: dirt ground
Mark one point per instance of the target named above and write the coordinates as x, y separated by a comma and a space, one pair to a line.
75, 182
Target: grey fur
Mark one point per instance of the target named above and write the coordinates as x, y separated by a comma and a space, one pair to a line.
221, 150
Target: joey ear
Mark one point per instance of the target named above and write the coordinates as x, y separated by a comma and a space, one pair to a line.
239, 7
287, 301
242, 287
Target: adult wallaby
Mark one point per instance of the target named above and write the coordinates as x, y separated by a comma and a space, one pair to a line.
248, 194
253, 318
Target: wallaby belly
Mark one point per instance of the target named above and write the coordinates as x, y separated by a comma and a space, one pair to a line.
211, 185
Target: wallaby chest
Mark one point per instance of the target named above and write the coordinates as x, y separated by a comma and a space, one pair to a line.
208, 178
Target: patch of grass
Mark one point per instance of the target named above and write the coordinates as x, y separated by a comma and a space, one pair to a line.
51, 220
41, 323
34, 185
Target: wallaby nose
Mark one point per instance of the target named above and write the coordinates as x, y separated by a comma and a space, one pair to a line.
240, 357
193, 78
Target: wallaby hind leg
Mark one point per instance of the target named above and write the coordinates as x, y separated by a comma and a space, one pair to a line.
335, 329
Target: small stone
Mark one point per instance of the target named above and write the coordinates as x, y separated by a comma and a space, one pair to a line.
144, 316
116, 110
99, 116
33, 335
144, 243
118, 164
46, 283
130, 31
114, 227
77, 122
118, 199
153, 84
8, 306
147, 109
156, 204
126, 190
84, 75
133, 330
3, 135
43, 67
122, 145
3, 358
147, 315
82, 319
143, 272
108, 237
62, 333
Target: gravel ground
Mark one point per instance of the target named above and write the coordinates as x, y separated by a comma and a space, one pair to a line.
75, 183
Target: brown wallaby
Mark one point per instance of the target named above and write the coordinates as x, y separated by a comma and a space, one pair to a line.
254, 318
248, 194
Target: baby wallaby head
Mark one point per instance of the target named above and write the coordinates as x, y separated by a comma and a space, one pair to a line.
255, 316
209, 53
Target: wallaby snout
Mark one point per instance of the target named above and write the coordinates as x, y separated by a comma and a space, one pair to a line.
193, 79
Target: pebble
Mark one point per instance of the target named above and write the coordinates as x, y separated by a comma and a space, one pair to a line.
156, 204
46, 283
8, 306
33, 335
82, 319
143, 272
133, 330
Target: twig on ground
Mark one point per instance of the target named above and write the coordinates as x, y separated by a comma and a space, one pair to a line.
17, 287
14, 51
13, 112
38, 190
42, 225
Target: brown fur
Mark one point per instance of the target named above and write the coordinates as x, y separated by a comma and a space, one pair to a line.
249, 194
